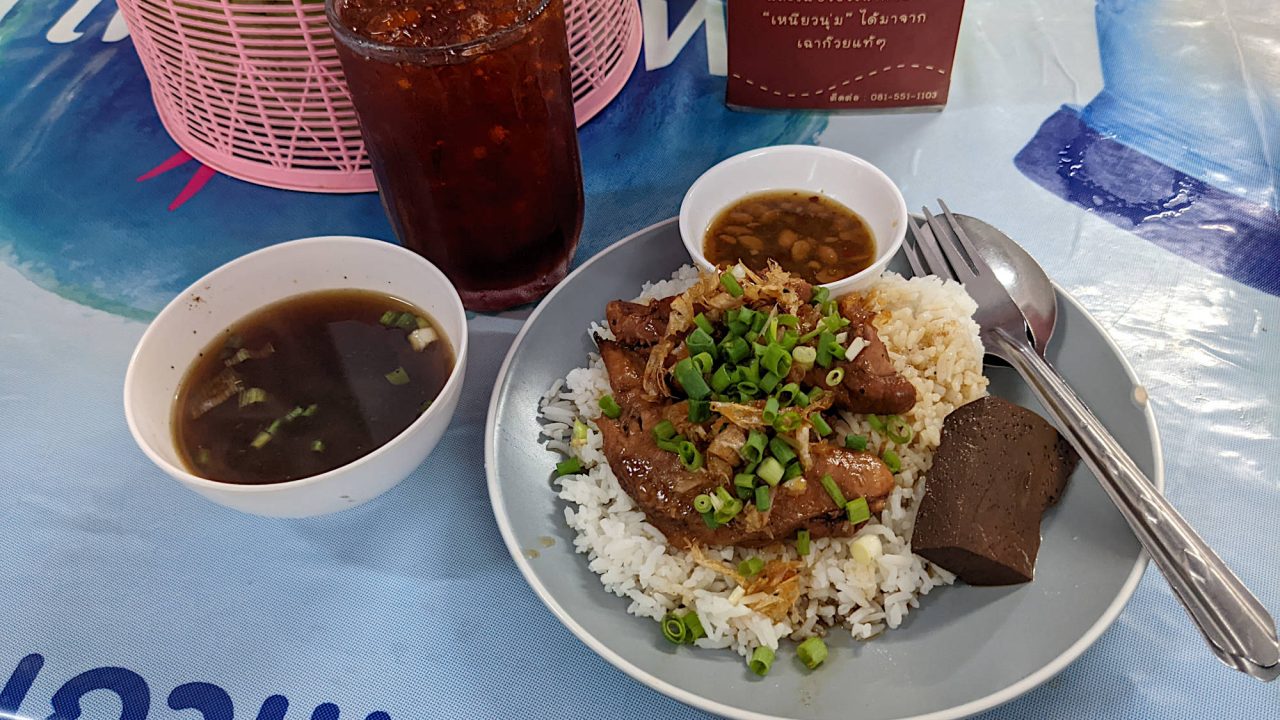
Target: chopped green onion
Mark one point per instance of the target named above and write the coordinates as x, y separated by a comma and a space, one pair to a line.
422, 337
691, 621
240, 356
674, 629
690, 378
802, 542
758, 321
728, 510
794, 470
776, 360
293, 414
609, 407
389, 317
699, 341
735, 349
804, 356
730, 283
764, 498
704, 362
812, 652
787, 394
690, 457
781, 450
703, 324
803, 400
311, 410
828, 349
747, 391
745, 480
664, 430
261, 439
744, 493
274, 427
876, 423
398, 376
719, 498
770, 412
720, 379
571, 466
898, 429
855, 442
770, 471
252, 395
423, 323
761, 660
820, 425
317, 446
751, 372
702, 503
790, 321
203, 456
406, 321
710, 519
858, 510
699, 410
753, 449
769, 382
835, 377
750, 567
892, 460
812, 333
579, 434
829, 484
820, 295
425, 406
788, 422
672, 445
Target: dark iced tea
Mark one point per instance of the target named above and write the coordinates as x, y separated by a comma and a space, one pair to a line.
467, 113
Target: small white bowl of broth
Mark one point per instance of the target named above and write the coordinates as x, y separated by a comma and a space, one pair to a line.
829, 217
301, 379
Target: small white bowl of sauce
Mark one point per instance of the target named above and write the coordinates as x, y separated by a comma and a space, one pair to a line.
301, 379
828, 216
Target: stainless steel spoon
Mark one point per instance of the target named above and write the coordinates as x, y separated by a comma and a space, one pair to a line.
1236, 625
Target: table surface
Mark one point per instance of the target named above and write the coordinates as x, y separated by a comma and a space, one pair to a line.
1130, 146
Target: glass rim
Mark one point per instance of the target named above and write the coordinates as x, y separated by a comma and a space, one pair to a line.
357, 41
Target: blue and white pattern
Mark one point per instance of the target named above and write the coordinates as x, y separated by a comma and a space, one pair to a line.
1153, 128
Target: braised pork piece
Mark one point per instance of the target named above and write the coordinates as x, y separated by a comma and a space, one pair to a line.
724, 399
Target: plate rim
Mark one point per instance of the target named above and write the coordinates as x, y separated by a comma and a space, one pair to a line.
987, 702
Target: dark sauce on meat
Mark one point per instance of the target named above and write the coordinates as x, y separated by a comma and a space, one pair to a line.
307, 385
809, 235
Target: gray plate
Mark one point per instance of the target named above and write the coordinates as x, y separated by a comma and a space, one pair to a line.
964, 650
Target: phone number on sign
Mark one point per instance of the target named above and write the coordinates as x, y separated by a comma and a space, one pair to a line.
900, 96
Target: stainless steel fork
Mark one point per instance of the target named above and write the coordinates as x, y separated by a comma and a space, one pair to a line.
1235, 624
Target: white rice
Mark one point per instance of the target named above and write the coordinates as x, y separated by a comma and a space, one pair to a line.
927, 326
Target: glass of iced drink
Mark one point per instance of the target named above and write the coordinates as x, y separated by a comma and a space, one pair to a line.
467, 113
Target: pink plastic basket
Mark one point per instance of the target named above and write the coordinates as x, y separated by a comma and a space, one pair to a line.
256, 91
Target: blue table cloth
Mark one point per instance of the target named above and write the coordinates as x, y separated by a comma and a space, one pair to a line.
1132, 146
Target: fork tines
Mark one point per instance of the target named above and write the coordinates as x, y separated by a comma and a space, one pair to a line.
945, 250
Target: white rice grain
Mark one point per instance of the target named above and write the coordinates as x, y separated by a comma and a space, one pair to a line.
927, 326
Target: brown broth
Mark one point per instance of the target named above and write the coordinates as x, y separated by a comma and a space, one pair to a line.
809, 235
329, 350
